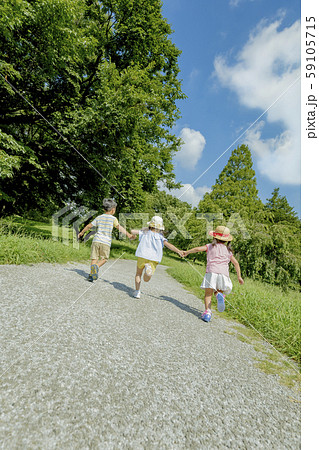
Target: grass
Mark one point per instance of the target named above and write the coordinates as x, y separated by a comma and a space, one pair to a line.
30, 250
276, 315
28, 242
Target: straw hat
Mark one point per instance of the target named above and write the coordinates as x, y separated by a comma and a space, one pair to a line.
156, 222
222, 234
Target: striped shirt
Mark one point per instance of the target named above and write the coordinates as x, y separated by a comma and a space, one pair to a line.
104, 226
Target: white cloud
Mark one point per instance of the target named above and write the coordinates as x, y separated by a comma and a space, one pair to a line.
277, 157
235, 3
193, 75
192, 148
187, 193
265, 67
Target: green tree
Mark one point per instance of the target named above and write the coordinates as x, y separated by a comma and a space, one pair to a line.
269, 248
280, 210
235, 190
104, 73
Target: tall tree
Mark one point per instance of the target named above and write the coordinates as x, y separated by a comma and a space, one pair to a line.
104, 73
280, 210
235, 190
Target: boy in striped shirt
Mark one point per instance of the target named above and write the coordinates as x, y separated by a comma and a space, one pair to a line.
103, 237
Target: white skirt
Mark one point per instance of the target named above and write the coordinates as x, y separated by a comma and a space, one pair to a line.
218, 282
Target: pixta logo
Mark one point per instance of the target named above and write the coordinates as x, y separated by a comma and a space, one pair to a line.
66, 223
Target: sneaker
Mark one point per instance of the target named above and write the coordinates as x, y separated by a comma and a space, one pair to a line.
94, 271
90, 278
137, 294
220, 302
207, 315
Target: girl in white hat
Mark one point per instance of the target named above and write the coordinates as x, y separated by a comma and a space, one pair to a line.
216, 280
150, 251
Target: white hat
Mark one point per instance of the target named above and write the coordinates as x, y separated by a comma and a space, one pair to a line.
156, 222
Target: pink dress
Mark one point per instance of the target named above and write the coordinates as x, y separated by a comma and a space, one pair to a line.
217, 269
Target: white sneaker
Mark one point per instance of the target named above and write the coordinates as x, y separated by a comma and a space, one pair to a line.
137, 294
148, 270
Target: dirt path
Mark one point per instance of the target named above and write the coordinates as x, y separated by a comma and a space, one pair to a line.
86, 366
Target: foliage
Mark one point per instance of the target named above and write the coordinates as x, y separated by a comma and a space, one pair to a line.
272, 254
235, 190
279, 210
266, 237
104, 74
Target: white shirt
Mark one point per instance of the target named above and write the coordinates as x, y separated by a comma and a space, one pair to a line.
151, 245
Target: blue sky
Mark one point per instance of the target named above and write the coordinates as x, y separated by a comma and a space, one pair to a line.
238, 58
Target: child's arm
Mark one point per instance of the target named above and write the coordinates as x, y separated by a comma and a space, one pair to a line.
123, 231
85, 229
195, 250
135, 232
237, 268
173, 248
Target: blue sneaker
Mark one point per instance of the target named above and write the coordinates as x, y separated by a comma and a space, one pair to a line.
207, 315
220, 302
94, 271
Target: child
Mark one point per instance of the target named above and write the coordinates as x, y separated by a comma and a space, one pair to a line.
150, 251
103, 237
216, 280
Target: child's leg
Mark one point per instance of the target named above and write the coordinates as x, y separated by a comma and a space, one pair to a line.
101, 262
146, 277
104, 254
208, 298
207, 315
138, 277
150, 268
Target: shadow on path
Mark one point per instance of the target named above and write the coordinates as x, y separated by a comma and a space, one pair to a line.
120, 286
183, 306
80, 272
196, 312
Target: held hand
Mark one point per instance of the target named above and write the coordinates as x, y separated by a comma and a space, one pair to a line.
131, 236
185, 253
241, 281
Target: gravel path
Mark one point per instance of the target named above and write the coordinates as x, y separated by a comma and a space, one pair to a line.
86, 366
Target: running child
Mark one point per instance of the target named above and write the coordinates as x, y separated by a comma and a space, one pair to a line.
150, 251
216, 280
101, 244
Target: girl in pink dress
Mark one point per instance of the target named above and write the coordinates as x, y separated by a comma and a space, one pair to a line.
216, 280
